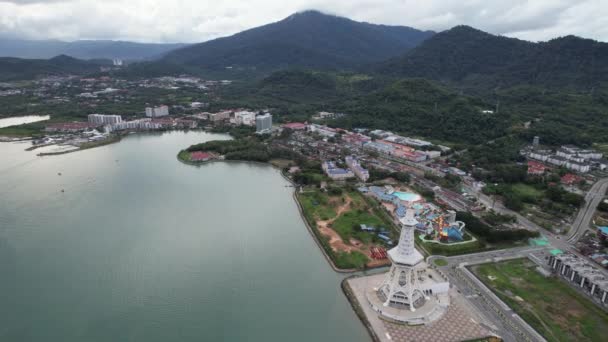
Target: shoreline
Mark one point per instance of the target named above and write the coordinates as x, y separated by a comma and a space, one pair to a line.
310, 229
356, 307
109, 141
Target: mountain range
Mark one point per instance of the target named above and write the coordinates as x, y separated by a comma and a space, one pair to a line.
308, 39
462, 56
13, 69
84, 49
469, 57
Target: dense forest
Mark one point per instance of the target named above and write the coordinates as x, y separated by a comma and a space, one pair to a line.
477, 60
305, 39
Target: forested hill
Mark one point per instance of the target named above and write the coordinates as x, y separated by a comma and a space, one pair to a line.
23, 69
473, 58
307, 39
413, 106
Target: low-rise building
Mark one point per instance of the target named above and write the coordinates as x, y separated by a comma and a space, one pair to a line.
571, 179
296, 126
536, 168
220, 116
69, 127
244, 117
336, 173
581, 274
357, 169
325, 131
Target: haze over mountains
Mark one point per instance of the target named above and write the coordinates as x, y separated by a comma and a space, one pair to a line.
83, 49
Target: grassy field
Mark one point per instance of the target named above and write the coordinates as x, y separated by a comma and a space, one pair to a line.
321, 206
347, 225
317, 205
552, 307
450, 250
526, 192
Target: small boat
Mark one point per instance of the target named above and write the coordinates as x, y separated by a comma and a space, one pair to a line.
58, 173
62, 190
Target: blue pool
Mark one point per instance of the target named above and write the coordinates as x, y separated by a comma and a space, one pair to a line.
407, 196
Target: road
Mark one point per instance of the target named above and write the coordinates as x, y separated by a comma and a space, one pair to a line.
581, 223
503, 321
585, 215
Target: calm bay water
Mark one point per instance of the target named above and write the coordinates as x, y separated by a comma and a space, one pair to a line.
140, 247
20, 120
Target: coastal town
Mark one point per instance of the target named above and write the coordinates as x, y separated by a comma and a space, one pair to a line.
270, 171
373, 198
364, 204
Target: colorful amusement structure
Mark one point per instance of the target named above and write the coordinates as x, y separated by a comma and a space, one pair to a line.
432, 221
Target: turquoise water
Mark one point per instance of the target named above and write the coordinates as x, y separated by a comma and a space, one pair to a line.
407, 196
141, 247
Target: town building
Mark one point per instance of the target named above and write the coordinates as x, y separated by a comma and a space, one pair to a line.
220, 116
244, 117
324, 131
101, 119
263, 123
571, 179
296, 126
200, 156
155, 112
536, 168
581, 274
197, 105
69, 127
336, 173
357, 169
379, 147
327, 116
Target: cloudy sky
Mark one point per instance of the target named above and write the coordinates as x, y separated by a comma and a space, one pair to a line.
200, 20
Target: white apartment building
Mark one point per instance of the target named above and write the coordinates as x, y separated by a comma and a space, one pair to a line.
244, 117
155, 112
263, 123
101, 119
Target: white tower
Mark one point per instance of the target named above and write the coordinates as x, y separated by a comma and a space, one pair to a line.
401, 286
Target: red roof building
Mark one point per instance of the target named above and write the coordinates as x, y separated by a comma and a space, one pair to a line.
536, 168
69, 127
296, 126
570, 179
200, 156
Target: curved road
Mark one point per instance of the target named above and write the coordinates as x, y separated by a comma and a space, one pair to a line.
585, 215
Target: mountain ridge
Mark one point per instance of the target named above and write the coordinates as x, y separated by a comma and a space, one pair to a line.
304, 39
469, 57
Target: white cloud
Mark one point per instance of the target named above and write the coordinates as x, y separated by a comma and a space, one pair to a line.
200, 20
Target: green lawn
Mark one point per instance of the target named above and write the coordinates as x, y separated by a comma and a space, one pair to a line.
317, 205
441, 262
184, 155
362, 212
347, 225
526, 192
552, 307
350, 260
451, 249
